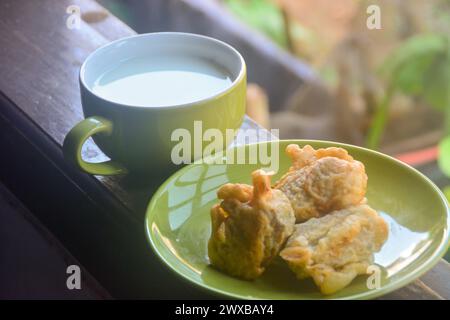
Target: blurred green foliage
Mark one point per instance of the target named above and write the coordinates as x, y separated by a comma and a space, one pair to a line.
444, 156
270, 19
263, 15
447, 193
419, 67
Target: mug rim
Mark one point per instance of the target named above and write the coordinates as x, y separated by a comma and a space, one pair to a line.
240, 77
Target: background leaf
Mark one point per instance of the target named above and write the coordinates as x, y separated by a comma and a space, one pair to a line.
436, 82
408, 66
444, 156
263, 15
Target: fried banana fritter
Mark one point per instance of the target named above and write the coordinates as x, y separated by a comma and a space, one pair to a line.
334, 249
321, 181
249, 227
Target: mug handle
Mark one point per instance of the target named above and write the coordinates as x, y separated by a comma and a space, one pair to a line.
74, 140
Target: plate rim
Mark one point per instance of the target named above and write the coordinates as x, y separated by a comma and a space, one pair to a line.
370, 294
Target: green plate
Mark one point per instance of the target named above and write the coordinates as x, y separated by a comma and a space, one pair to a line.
178, 227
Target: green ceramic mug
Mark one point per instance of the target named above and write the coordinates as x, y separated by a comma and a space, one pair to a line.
138, 138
